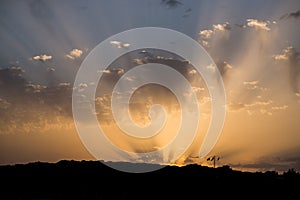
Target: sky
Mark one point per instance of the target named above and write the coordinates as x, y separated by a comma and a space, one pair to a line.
255, 45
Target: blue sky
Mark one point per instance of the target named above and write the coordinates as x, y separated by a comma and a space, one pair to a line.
54, 28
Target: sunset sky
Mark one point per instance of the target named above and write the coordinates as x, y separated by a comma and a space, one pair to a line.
255, 45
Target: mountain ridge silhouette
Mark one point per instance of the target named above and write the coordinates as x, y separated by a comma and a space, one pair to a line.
69, 179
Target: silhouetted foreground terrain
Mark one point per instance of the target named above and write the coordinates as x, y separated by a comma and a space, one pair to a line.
94, 180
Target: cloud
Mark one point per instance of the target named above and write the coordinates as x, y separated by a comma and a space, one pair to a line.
259, 103
35, 88
171, 3
281, 163
75, 53
294, 15
42, 57
222, 27
235, 106
192, 72
204, 43
251, 85
280, 57
4, 104
218, 32
188, 10
286, 54
211, 67
250, 82
116, 71
280, 107
206, 34
51, 69
241, 26
258, 24
145, 53
29, 107
292, 59
64, 84
223, 67
138, 61
119, 44
103, 108
198, 89
262, 107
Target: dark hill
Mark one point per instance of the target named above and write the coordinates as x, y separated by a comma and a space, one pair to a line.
94, 180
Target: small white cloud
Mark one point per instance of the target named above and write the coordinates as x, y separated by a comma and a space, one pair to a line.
227, 66
205, 43
280, 107
192, 72
206, 34
258, 24
250, 82
130, 78
251, 85
198, 89
118, 71
138, 61
64, 84
42, 57
286, 54
119, 44
126, 45
35, 88
205, 100
81, 87
221, 27
106, 71
264, 103
74, 53
280, 57
259, 103
211, 67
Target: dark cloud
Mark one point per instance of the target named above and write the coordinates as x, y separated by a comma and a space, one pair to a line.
240, 25
223, 67
140, 107
28, 104
171, 3
279, 163
294, 67
292, 57
188, 10
292, 15
24, 103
